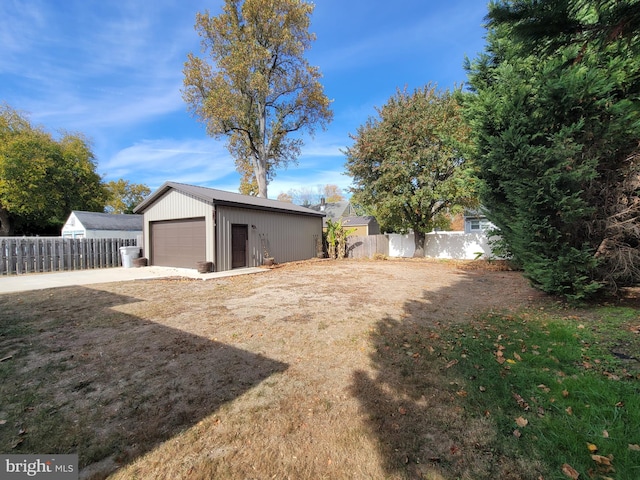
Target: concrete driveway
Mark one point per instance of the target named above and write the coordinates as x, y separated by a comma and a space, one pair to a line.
39, 281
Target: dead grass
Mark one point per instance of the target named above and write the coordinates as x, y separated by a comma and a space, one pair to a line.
312, 370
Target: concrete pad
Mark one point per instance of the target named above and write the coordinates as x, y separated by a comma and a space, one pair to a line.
40, 281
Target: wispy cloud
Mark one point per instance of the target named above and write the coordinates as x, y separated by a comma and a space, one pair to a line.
113, 71
109, 65
153, 162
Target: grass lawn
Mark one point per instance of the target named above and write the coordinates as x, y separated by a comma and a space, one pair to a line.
561, 391
337, 370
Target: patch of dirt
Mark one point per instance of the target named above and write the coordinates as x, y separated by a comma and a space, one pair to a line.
274, 375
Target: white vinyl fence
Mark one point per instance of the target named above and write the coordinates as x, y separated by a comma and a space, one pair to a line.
452, 245
50, 254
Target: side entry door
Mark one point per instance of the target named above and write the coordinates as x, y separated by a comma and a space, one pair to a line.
239, 240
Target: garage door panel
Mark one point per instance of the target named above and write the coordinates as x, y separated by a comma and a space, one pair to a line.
178, 243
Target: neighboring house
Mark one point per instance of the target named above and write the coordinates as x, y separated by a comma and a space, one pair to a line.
475, 221
361, 226
334, 211
102, 225
345, 213
187, 224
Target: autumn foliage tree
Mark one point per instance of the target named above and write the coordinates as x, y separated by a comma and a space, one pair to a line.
256, 88
42, 179
411, 165
309, 196
124, 196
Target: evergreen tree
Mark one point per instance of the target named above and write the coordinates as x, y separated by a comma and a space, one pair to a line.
555, 117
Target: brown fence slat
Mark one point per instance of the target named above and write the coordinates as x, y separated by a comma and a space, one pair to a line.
20, 255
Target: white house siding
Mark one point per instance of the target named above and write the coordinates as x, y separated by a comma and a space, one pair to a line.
453, 245
175, 205
289, 237
128, 234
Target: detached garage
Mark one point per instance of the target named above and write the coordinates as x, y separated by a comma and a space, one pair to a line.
187, 224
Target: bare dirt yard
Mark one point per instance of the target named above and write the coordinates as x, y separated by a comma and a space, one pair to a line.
296, 373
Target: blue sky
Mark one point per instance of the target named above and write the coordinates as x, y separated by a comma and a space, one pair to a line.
112, 70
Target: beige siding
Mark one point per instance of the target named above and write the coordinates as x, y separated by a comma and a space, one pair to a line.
176, 205
288, 237
359, 231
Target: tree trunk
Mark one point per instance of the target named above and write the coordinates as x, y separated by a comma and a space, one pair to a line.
263, 152
260, 170
418, 238
5, 223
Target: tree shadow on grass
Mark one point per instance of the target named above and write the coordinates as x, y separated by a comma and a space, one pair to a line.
85, 378
414, 403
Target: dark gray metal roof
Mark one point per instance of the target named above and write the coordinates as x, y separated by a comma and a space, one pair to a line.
476, 213
358, 221
220, 197
109, 221
334, 210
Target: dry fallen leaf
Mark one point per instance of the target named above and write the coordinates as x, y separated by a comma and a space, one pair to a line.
451, 363
521, 402
544, 388
602, 460
517, 357
516, 433
17, 443
522, 422
565, 393
570, 472
569, 410
402, 411
592, 448
634, 447
605, 434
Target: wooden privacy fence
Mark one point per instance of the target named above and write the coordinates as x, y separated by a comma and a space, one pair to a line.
368, 246
50, 254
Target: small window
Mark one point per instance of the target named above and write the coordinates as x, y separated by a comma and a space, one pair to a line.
474, 225
485, 225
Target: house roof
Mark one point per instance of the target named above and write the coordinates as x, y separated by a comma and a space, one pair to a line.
108, 221
334, 210
220, 197
358, 221
477, 213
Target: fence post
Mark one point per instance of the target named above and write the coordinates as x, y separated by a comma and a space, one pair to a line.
51, 254
4, 264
